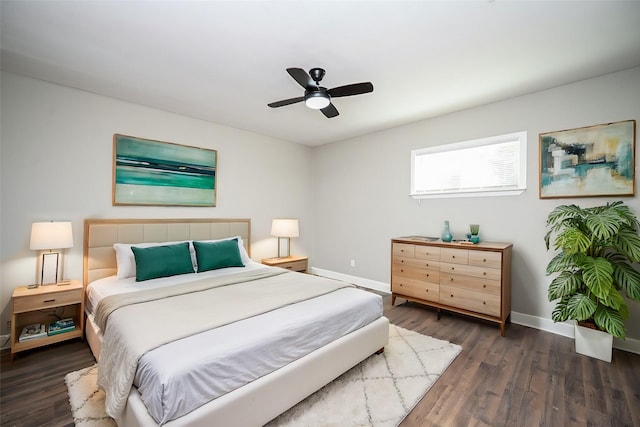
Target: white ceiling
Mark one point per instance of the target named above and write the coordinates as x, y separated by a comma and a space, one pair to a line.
223, 61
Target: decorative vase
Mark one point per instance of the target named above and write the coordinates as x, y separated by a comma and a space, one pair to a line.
473, 236
446, 233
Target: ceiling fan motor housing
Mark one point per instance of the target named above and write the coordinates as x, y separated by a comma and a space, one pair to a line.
317, 74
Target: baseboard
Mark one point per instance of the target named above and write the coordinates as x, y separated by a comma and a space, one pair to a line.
5, 341
355, 280
565, 329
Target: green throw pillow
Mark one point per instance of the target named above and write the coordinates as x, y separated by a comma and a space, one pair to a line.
220, 254
162, 261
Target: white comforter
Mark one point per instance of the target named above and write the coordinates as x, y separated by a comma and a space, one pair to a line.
174, 381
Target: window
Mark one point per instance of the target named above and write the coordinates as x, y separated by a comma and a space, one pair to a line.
494, 166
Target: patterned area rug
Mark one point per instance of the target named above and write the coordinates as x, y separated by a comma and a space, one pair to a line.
380, 391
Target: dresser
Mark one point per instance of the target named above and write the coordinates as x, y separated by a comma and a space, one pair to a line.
464, 278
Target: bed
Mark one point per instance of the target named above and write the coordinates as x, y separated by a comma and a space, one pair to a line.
245, 357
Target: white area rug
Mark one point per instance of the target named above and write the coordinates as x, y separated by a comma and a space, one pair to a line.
379, 392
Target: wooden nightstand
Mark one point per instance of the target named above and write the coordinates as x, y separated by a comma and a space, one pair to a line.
294, 263
38, 305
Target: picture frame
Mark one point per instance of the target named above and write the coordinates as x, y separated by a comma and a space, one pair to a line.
592, 161
147, 172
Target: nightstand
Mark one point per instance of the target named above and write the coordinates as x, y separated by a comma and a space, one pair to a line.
38, 305
294, 263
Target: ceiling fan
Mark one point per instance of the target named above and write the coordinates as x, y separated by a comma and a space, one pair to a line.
318, 97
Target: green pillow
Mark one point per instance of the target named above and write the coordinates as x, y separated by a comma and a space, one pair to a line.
162, 261
220, 254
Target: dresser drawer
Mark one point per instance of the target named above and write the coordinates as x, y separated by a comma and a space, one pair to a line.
403, 250
470, 300
470, 270
456, 256
38, 302
424, 274
415, 262
485, 259
427, 252
415, 288
487, 286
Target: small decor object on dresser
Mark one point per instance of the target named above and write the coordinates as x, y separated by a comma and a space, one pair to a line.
32, 331
446, 233
61, 326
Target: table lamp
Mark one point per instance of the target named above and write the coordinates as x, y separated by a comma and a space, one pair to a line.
285, 228
48, 236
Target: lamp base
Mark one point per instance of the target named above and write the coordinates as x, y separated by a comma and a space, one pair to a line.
49, 273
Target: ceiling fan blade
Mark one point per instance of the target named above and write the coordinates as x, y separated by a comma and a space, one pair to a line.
353, 89
302, 77
286, 102
330, 111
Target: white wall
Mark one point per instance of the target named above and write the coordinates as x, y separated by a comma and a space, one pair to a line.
56, 158
56, 154
361, 186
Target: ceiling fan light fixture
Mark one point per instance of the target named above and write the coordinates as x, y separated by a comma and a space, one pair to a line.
316, 100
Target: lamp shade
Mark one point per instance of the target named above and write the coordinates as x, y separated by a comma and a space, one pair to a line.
284, 228
51, 235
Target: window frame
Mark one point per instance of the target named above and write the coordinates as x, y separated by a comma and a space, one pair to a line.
520, 187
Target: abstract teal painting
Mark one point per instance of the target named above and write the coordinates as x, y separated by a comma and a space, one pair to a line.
592, 161
155, 173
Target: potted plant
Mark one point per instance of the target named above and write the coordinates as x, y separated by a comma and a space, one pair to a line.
598, 247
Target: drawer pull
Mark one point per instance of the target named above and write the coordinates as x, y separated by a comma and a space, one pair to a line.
453, 268
484, 273
484, 302
453, 257
401, 250
484, 286
401, 261
484, 260
451, 279
451, 295
426, 290
50, 300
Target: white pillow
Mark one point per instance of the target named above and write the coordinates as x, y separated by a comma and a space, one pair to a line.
126, 261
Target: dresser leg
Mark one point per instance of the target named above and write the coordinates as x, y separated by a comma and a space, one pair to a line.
437, 314
393, 300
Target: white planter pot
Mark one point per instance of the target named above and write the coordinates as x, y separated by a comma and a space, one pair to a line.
593, 343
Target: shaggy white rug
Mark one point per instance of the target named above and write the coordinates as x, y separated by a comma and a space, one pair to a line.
380, 391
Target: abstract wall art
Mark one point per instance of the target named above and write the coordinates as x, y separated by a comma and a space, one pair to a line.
155, 173
589, 161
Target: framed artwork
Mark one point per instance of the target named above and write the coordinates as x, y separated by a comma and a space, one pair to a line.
155, 173
588, 162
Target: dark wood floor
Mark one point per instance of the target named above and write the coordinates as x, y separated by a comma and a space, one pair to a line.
528, 378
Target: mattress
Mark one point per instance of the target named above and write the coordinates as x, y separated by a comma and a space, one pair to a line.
178, 377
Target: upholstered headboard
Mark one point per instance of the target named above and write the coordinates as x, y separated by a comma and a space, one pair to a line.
100, 235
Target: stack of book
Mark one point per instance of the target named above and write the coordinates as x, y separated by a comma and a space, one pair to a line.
61, 326
31, 332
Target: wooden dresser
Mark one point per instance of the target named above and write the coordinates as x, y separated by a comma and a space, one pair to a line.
459, 277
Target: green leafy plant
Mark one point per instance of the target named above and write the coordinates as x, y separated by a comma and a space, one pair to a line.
598, 247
